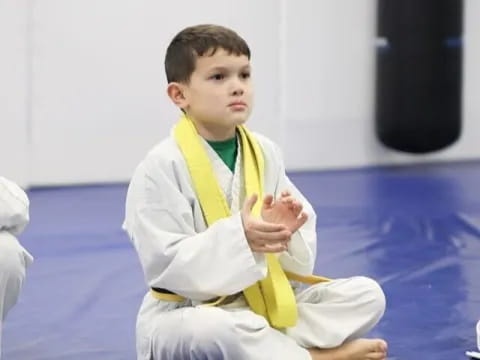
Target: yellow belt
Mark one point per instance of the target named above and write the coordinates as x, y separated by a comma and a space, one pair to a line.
169, 296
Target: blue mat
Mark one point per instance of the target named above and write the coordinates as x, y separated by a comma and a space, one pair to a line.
415, 229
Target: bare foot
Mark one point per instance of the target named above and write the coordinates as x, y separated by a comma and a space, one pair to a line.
361, 349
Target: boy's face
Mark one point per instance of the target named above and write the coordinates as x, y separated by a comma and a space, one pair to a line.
219, 94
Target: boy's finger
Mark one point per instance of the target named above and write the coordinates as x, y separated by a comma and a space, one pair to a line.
278, 237
298, 207
285, 193
250, 203
277, 248
302, 219
263, 226
288, 201
267, 201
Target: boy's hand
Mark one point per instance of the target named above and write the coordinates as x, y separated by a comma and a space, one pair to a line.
286, 210
263, 236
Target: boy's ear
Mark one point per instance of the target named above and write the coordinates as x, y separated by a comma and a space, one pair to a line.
176, 92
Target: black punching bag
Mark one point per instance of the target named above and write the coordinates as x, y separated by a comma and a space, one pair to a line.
419, 72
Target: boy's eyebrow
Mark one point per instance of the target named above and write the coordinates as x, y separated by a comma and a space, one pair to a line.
226, 68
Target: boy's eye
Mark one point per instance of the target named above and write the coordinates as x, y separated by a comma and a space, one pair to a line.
218, 77
245, 75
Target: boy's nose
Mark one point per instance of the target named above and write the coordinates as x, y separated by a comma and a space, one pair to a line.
237, 88
238, 91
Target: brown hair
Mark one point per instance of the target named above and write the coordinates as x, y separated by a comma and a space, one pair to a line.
196, 41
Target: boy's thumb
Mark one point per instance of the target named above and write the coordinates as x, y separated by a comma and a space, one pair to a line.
250, 203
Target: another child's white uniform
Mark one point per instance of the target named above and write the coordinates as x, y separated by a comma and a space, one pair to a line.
178, 252
13, 257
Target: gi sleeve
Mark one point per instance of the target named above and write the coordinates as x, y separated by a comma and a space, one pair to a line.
198, 265
300, 255
14, 205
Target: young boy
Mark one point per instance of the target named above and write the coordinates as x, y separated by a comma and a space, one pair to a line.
219, 227
14, 259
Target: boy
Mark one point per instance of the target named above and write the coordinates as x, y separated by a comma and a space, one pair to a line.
14, 259
199, 245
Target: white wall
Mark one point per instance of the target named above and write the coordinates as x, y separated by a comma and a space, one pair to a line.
328, 82
99, 100
14, 108
97, 85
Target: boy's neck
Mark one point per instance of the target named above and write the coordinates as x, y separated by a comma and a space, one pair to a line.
214, 132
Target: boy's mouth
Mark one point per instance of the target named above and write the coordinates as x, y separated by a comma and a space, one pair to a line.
237, 105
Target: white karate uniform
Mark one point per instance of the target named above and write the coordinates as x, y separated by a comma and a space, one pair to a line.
178, 252
13, 257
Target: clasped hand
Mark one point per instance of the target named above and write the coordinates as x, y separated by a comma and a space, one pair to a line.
279, 220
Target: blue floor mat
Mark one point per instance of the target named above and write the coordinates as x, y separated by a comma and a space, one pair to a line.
416, 229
